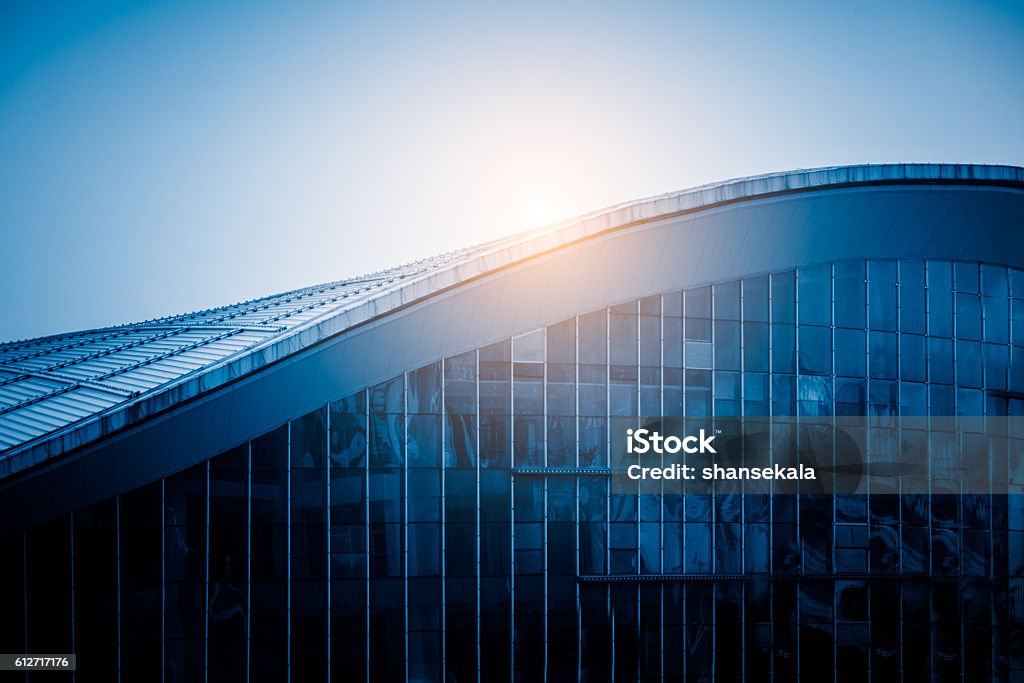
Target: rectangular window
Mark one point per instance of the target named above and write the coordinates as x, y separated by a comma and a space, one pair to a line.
815, 296
849, 295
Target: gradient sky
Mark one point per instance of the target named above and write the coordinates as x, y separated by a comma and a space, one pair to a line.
158, 157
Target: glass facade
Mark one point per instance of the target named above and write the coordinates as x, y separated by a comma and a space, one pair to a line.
457, 523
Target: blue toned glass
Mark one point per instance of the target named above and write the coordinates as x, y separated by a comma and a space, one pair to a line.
697, 545
968, 363
882, 358
425, 390
783, 395
912, 358
726, 297
699, 355
882, 296
697, 394
728, 393
850, 353
727, 345
460, 442
698, 329
783, 297
912, 297
940, 299
755, 347
913, 399
940, 360
849, 294
814, 395
995, 304
995, 358
756, 394
783, 348
424, 441
815, 296
966, 277
968, 316
815, 350
697, 302
424, 492
460, 381
851, 396
969, 402
883, 398
941, 401
622, 334
755, 299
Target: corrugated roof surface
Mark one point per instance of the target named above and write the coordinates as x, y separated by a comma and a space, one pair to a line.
61, 392
53, 382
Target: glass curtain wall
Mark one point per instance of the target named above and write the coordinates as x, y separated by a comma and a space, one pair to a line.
457, 523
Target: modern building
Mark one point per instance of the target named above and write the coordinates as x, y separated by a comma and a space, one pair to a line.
407, 476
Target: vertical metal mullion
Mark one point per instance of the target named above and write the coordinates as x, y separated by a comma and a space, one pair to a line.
636, 423
327, 475
405, 514
661, 499
608, 497
477, 467
288, 557
248, 562
512, 510
771, 455
117, 538
544, 427
444, 535
71, 539
366, 531
576, 558
163, 578
206, 576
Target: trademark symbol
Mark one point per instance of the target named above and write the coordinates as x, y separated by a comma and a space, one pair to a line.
718, 431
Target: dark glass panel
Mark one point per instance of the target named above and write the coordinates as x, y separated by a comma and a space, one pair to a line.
268, 622
424, 444
12, 593
425, 390
460, 377
228, 560
348, 436
815, 350
141, 516
756, 347
185, 573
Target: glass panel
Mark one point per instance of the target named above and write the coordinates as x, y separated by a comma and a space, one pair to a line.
815, 296
755, 299
882, 295
227, 599
849, 294
184, 572
727, 300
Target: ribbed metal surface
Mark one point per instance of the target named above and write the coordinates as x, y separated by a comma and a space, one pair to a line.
49, 383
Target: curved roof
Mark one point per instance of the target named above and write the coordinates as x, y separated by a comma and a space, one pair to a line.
62, 392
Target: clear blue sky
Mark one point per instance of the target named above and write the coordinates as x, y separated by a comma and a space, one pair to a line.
157, 157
